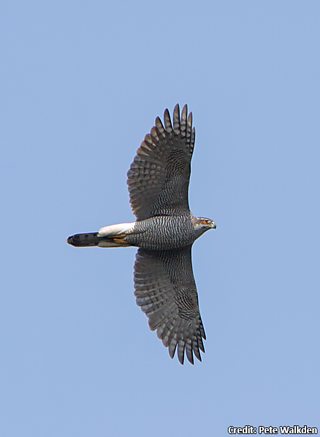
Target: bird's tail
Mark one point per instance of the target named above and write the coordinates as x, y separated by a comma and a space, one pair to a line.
109, 236
93, 239
84, 240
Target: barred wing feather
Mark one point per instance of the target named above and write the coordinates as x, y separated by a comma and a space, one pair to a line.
166, 291
158, 178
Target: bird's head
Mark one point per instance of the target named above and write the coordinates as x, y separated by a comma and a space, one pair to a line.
203, 224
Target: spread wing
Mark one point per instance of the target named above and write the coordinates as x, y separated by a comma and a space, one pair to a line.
166, 291
158, 178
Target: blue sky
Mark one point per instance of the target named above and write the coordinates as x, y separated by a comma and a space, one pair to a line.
81, 84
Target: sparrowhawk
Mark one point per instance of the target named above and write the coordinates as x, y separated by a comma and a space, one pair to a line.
164, 231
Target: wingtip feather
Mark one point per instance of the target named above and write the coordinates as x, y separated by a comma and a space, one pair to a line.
167, 120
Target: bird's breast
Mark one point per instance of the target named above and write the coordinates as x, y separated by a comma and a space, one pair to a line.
163, 233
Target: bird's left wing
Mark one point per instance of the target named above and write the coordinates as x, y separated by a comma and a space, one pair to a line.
166, 291
158, 178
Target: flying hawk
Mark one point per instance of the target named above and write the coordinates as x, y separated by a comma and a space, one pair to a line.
164, 232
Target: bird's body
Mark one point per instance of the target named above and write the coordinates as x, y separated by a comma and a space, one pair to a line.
164, 232
154, 233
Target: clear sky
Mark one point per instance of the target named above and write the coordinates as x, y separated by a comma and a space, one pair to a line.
81, 84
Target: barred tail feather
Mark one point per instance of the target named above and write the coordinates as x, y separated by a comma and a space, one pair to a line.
98, 239
84, 240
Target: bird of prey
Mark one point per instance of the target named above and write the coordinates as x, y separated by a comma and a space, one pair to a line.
164, 231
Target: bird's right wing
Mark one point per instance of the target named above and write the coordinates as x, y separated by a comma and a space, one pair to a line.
166, 291
158, 178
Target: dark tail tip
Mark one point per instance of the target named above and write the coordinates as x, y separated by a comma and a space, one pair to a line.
83, 240
70, 240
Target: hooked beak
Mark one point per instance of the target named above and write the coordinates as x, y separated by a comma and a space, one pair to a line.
213, 225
